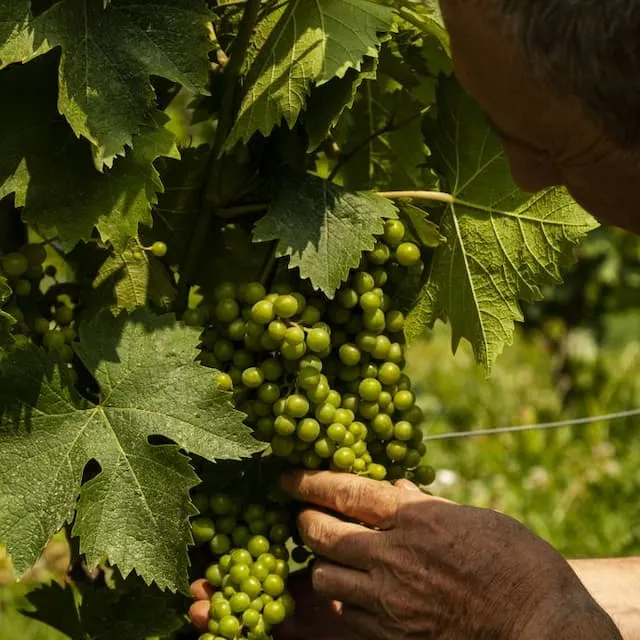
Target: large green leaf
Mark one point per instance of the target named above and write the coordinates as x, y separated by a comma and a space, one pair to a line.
323, 228
134, 513
51, 172
5, 319
304, 42
108, 57
501, 244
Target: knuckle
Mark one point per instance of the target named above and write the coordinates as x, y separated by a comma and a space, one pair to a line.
319, 578
314, 531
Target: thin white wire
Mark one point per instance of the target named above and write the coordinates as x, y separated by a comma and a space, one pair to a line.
534, 427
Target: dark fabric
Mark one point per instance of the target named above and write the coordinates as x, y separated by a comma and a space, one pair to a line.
548, 138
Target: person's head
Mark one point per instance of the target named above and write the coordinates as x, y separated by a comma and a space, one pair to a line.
560, 80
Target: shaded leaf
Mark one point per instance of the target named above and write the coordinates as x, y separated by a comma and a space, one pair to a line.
134, 513
300, 43
502, 244
427, 232
323, 228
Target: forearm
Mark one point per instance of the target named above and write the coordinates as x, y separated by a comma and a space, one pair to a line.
615, 584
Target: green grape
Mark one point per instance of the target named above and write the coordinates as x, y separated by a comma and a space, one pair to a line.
272, 369
393, 232
279, 406
40, 326
349, 354
226, 524
64, 315
225, 290
324, 447
257, 604
311, 460
389, 373
397, 450
374, 320
318, 340
370, 301
224, 382
320, 393
227, 310
359, 448
286, 306
253, 293
349, 374
239, 573
229, 627
243, 359
268, 343
385, 400
241, 536
53, 340
366, 340
14, 264
274, 612
279, 533
408, 254
413, 458
241, 556
203, 529
396, 353
395, 321
268, 391
259, 570
403, 431
358, 430
294, 335
236, 330
258, 545
344, 458
369, 389
159, 249
220, 609
348, 298
268, 559
359, 465
214, 575
293, 351
225, 562
223, 350
325, 413
414, 415
282, 446
263, 312
404, 400
380, 254
334, 398
424, 474
344, 416
297, 405
239, 602
221, 504
308, 377
258, 527
308, 430
362, 282
251, 618
376, 471
368, 410
380, 277
382, 348
284, 426
22, 288
220, 543
350, 401
273, 585
336, 432
254, 512
252, 377
253, 329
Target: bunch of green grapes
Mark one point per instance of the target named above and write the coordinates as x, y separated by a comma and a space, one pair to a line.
40, 318
249, 567
322, 381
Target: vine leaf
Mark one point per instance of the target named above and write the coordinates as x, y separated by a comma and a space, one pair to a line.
6, 320
135, 279
134, 512
51, 172
323, 228
108, 57
304, 42
508, 247
129, 612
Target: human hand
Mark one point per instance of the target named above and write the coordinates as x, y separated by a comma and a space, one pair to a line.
433, 569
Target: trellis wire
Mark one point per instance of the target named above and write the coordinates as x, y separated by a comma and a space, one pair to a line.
534, 427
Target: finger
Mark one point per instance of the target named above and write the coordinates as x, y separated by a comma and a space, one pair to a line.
361, 499
406, 485
343, 584
199, 614
201, 590
344, 542
363, 624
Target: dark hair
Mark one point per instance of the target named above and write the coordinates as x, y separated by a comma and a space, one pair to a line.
588, 48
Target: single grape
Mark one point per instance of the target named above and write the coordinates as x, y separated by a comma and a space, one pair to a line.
318, 340
380, 254
22, 288
348, 298
408, 254
336, 432
370, 389
239, 602
224, 382
362, 282
274, 612
203, 529
53, 340
220, 609
293, 351
349, 354
368, 410
227, 310
393, 232
241, 556
324, 447
374, 320
239, 573
214, 575
366, 340
308, 377
344, 458
404, 400
223, 350
279, 533
229, 627
221, 504
253, 293
272, 369
308, 430
268, 392
259, 570
376, 471
382, 348
220, 543
297, 405
424, 474
286, 306
344, 416
14, 264
225, 290
284, 426
282, 446
403, 431
370, 301
252, 377
311, 460
241, 536
159, 249
263, 312
273, 585
251, 618
395, 321
40, 326
389, 373
397, 450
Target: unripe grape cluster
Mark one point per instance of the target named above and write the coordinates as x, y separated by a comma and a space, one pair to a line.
250, 566
321, 381
39, 317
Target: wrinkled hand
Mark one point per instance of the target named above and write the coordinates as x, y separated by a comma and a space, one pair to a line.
430, 569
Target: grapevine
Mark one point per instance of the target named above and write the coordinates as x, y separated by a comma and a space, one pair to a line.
217, 243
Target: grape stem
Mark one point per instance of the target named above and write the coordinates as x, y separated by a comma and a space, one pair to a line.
210, 190
435, 196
